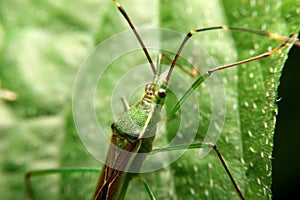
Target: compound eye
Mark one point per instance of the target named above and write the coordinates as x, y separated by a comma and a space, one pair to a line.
161, 93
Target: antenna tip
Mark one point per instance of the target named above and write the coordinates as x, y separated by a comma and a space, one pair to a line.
117, 3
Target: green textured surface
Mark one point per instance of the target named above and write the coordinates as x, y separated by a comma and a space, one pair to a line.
42, 45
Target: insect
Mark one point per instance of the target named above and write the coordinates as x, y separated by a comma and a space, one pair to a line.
155, 92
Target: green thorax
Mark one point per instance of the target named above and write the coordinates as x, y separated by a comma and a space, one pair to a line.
141, 119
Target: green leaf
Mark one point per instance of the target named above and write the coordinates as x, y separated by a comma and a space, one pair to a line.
43, 44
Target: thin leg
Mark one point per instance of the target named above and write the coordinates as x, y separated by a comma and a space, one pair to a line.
147, 187
29, 174
125, 103
205, 145
193, 73
263, 55
287, 40
200, 79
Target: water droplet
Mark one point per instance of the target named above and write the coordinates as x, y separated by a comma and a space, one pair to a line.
250, 133
254, 105
211, 182
251, 149
192, 191
206, 193
242, 160
258, 181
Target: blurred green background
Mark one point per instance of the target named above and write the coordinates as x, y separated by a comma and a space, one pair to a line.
43, 44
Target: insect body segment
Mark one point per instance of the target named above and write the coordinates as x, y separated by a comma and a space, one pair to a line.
131, 141
139, 118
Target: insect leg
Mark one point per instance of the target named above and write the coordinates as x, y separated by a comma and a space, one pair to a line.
125, 103
289, 40
263, 55
147, 187
202, 78
43, 172
205, 145
193, 73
